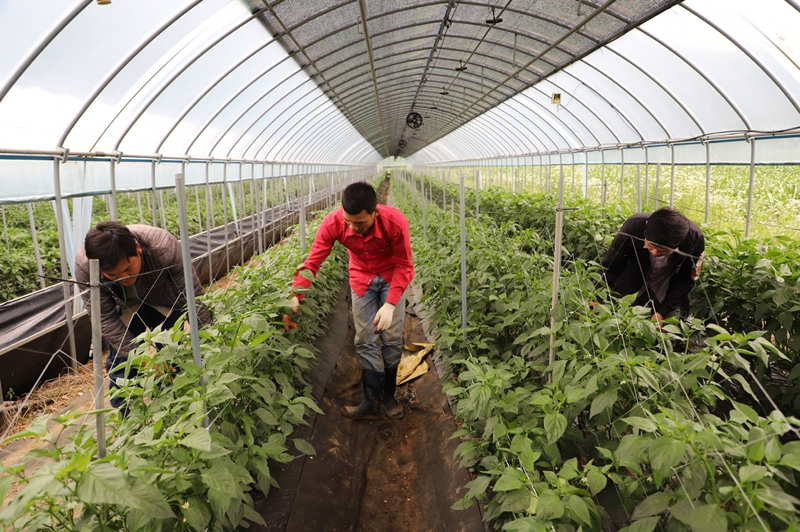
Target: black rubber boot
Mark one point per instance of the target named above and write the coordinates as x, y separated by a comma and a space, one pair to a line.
370, 407
392, 407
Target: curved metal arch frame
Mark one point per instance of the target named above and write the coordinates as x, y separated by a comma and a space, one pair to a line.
609, 102
699, 72
517, 124
527, 117
541, 54
311, 146
278, 128
117, 69
501, 135
41, 45
624, 89
413, 70
611, 130
255, 102
202, 94
787, 93
178, 72
660, 85
281, 125
533, 37
568, 111
324, 113
220, 108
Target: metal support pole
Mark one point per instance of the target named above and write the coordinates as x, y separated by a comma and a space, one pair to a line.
603, 177
477, 194
225, 214
199, 213
163, 209
638, 188
302, 214
585, 175
139, 205
751, 188
5, 226
97, 353
36, 253
68, 306
191, 308
646, 175
672, 176
656, 195
153, 190
621, 175
708, 180
112, 199
557, 263
209, 224
463, 229
422, 200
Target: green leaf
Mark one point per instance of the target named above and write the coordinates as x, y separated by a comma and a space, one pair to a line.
511, 479
644, 525
104, 483
199, 439
597, 481
197, 513
666, 453
752, 473
5, 485
641, 423
516, 501
303, 446
709, 518
549, 506
309, 403
478, 486
554, 424
791, 460
652, 505
524, 524
756, 445
149, 499
603, 401
578, 508
777, 498
528, 458
251, 515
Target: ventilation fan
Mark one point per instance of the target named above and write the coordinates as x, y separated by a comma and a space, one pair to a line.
402, 143
414, 120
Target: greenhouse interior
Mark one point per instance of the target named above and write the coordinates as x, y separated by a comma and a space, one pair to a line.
583, 265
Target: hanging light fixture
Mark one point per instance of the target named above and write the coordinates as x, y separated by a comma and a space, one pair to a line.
494, 20
461, 67
103, 2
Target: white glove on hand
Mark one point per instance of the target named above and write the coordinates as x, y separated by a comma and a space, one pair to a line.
384, 317
295, 304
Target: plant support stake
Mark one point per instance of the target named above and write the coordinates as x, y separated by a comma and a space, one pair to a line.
97, 353
186, 257
557, 263
463, 258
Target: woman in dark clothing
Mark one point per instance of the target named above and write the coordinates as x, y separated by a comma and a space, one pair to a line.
657, 256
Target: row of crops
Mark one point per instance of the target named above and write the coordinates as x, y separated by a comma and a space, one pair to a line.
691, 427
18, 269
165, 470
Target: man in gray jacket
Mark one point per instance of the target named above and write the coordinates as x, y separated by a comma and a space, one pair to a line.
141, 271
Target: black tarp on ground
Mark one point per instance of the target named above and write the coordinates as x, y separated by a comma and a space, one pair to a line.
379, 475
33, 333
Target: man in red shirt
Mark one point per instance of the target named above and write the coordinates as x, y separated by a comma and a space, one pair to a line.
381, 269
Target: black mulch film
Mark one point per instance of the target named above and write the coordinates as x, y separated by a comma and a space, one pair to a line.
373, 476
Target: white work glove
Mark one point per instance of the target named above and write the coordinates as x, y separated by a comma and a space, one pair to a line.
384, 317
294, 304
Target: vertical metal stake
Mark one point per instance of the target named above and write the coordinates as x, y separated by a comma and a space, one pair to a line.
97, 353
463, 228
191, 308
36, 253
557, 264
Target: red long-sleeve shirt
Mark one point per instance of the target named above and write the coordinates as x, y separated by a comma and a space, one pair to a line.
384, 251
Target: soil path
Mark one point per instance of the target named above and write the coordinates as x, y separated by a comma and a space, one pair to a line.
373, 476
